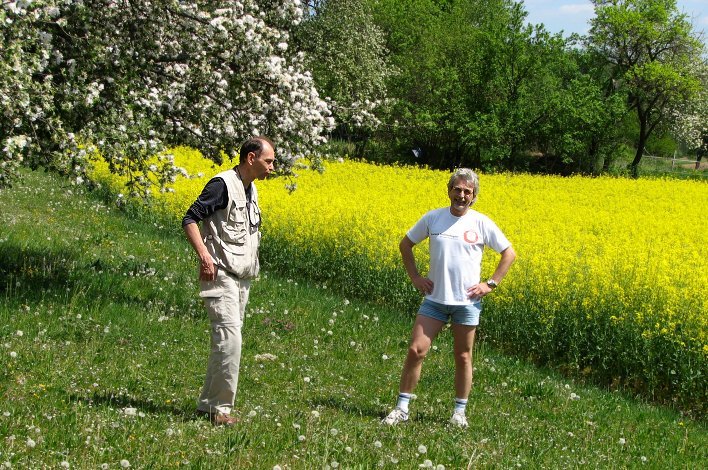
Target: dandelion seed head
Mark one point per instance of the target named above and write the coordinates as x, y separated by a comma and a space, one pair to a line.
301, 438
315, 414
426, 464
333, 431
377, 444
30, 443
348, 449
422, 449
125, 463
13, 354
622, 441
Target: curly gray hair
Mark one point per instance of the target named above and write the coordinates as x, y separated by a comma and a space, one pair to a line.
467, 175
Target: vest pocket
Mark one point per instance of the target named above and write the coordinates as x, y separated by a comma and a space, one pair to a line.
234, 232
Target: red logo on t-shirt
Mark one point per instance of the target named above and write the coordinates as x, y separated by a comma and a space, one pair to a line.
471, 236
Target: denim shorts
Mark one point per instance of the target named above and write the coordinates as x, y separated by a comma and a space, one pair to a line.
467, 314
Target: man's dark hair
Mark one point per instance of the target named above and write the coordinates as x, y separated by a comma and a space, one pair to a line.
255, 145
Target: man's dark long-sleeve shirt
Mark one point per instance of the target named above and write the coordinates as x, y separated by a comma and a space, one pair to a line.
214, 197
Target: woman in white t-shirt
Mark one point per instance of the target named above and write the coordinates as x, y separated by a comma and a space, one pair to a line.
452, 289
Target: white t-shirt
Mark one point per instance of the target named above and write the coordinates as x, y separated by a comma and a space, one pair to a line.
456, 247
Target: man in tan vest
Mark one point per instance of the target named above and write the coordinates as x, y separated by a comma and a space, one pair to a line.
227, 247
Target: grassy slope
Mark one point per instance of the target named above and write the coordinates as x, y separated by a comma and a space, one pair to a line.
99, 320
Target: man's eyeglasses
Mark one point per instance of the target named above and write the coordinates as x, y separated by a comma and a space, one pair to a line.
254, 216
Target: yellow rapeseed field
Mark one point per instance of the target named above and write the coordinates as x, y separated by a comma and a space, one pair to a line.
631, 254
638, 241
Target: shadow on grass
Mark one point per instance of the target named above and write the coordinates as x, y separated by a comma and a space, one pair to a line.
31, 274
24, 270
146, 406
346, 406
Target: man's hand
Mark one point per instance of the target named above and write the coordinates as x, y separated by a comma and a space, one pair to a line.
423, 284
207, 269
478, 291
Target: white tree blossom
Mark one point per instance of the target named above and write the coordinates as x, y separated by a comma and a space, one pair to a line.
690, 119
347, 54
129, 78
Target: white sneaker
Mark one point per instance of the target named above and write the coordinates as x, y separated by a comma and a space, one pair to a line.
458, 419
396, 416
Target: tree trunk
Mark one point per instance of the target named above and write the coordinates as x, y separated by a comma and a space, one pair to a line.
641, 144
597, 161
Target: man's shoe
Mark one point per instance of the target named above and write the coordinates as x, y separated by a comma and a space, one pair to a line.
394, 417
459, 419
222, 419
219, 419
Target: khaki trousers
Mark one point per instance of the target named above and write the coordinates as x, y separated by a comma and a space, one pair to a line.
225, 299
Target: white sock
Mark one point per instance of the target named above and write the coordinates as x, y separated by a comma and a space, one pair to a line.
403, 401
460, 405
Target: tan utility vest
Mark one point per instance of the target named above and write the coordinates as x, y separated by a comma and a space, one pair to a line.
228, 234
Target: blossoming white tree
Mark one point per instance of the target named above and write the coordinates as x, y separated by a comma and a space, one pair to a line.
690, 119
347, 55
131, 77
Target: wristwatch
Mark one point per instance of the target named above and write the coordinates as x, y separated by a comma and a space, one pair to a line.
492, 283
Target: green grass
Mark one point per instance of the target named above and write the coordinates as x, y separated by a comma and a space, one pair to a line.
103, 346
